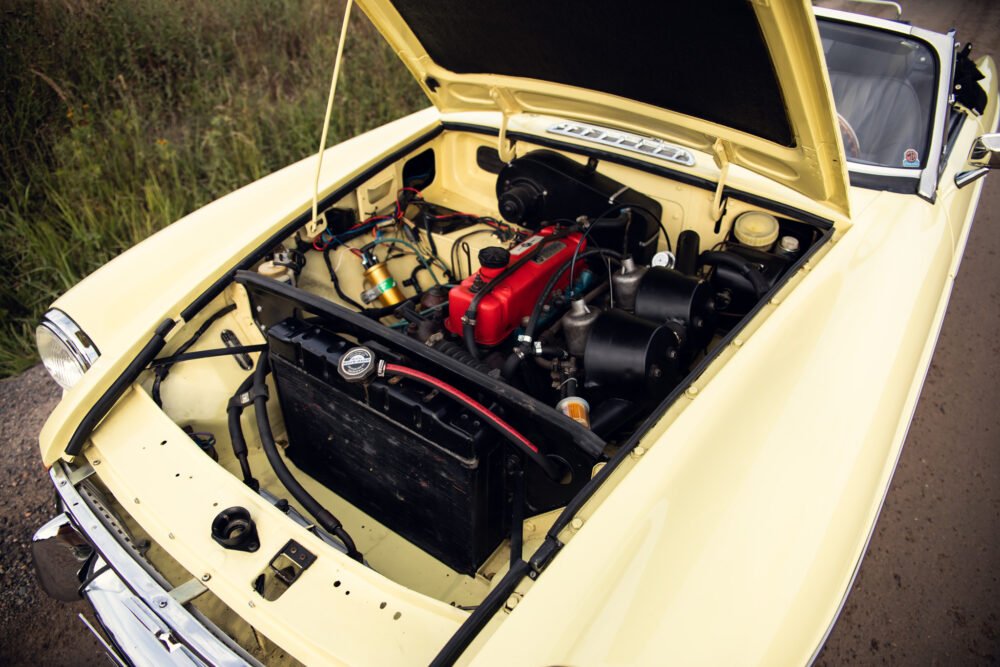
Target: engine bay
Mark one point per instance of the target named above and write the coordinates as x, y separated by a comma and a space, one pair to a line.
466, 352
468, 370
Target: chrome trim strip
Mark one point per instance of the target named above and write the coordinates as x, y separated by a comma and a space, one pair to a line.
851, 17
181, 623
879, 170
136, 635
70, 333
944, 45
648, 146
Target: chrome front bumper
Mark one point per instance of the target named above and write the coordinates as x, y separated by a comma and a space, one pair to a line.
145, 621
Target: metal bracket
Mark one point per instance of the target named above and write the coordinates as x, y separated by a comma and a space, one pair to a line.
80, 473
188, 591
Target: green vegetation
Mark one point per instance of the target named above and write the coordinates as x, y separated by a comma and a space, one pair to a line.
121, 116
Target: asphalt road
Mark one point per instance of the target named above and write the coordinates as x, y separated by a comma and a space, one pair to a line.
928, 590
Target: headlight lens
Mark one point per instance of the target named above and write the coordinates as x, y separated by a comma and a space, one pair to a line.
66, 351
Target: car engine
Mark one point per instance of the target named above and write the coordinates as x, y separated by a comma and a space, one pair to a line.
490, 395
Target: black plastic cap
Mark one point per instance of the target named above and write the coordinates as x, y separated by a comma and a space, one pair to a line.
520, 202
494, 257
358, 364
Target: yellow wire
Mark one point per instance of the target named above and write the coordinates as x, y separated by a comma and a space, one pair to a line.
329, 108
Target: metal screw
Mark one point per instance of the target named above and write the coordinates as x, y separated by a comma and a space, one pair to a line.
577, 523
161, 603
206, 577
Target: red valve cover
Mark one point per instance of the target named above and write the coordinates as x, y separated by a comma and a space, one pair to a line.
500, 312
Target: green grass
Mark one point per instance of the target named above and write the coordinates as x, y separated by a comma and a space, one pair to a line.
121, 116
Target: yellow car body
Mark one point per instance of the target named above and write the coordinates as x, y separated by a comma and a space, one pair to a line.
732, 531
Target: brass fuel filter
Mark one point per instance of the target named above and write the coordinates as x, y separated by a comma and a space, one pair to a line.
384, 284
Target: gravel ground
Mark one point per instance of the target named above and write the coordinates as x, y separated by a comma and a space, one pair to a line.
34, 628
928, 588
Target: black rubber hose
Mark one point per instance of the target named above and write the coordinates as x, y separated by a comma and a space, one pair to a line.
379, 313
161, 373
688, 248
511, 364
468, 328
742, 266
235, 411
336, 281
536, 313
324, 518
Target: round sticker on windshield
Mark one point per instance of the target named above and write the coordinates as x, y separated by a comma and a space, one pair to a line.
357, 364
911, 158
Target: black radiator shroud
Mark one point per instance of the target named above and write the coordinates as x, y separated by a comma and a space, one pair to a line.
412, 458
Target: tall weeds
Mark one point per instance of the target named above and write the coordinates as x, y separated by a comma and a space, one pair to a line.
121, 116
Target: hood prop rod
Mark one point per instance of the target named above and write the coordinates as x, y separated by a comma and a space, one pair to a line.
314, 226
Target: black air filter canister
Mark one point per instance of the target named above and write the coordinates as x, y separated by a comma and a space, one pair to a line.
629, 355
543, 186
667, 295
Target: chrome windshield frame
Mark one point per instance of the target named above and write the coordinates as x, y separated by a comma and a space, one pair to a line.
943, 46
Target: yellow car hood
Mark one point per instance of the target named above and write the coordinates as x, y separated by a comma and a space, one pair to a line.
750, 74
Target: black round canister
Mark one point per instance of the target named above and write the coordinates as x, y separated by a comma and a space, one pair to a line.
627, 354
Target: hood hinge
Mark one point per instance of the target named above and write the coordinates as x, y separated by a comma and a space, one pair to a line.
722, 152
508, 107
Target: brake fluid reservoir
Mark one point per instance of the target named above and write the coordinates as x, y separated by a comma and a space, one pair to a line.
280, 273
756, 229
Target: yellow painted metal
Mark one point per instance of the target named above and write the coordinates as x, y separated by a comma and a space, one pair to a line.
814, 166
721, 540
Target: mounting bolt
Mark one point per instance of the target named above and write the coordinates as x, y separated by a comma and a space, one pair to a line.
161, 602
691, 391
206, 577
637, 452
576, 523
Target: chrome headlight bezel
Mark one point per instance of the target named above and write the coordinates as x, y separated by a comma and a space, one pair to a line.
77, 351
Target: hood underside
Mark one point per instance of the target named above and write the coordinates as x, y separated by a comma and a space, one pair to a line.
749, 74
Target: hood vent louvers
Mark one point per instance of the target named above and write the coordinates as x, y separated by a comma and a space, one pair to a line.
655, 148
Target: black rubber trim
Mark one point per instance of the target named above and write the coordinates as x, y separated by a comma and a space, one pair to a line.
216, 288
898, 184
478, 619
658, 170
131, 373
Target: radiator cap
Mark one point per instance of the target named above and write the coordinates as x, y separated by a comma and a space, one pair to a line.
357, 364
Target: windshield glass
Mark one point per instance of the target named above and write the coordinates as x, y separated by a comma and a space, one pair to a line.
883, 86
